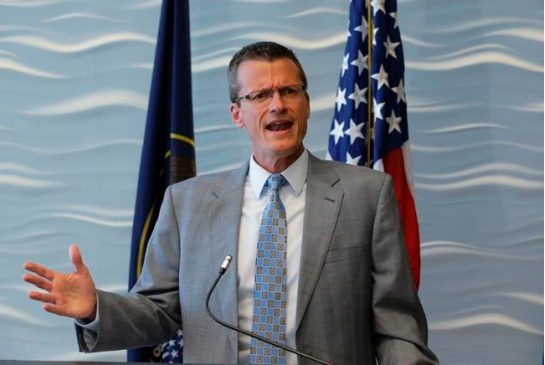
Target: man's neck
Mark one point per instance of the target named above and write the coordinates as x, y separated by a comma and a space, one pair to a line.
278, 165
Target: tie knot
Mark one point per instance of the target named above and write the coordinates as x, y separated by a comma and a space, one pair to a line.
275, 182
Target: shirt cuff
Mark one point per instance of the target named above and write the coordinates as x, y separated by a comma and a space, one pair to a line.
91, 326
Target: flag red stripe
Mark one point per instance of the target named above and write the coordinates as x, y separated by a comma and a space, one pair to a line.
395, 167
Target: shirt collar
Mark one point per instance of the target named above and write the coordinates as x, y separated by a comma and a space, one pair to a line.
295, 175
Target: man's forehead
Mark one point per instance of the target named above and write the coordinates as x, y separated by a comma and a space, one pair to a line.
277, 70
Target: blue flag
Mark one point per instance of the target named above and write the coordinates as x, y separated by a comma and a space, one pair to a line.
369, 125
168, 154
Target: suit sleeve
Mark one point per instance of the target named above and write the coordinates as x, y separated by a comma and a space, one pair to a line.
399, 322
150, 313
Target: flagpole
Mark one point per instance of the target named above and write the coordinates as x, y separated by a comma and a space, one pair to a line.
370, 121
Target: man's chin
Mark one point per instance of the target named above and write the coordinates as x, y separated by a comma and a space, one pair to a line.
283, 152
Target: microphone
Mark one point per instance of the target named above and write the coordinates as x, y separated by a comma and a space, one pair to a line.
223, 269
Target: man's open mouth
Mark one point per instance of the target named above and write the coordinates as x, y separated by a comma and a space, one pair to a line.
279, 126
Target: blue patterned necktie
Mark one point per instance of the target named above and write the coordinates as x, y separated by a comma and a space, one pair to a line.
269, 317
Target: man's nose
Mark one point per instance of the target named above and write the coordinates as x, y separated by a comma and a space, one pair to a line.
277, 102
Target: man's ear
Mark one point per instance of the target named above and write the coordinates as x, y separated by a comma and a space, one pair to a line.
308, 107
236, 116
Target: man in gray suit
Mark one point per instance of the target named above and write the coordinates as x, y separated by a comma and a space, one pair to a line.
349, 296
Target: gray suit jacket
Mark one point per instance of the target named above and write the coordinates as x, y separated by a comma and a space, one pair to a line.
356, 299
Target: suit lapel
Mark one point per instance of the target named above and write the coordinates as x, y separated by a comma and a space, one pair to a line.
322, 203
225, 209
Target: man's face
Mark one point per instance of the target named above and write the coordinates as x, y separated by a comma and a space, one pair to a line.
277, 126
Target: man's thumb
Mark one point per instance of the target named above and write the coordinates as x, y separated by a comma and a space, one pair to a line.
76, 259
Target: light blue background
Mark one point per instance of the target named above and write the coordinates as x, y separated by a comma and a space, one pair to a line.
74, 83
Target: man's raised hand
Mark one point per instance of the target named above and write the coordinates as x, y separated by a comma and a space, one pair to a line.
65, 294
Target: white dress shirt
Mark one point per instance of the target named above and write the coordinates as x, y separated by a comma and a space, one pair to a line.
255, 200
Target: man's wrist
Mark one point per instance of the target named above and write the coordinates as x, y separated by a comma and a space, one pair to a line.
91, 322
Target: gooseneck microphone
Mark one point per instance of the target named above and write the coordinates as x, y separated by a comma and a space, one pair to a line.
223, 269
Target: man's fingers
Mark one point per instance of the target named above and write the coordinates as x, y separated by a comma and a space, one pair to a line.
39, 270
52, 308
41, 297
39, 281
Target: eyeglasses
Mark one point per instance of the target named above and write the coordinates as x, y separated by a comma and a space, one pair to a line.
290, 92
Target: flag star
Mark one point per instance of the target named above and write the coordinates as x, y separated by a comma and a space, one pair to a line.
393, 121
360, 62
381, 77
358, 95
171, 342
354, 131
344, 66
352, 160
337, 131
391, 47
341, 99
394, 16
400, 91
362, 28
174, 353
377, 109
375, 31
378, 5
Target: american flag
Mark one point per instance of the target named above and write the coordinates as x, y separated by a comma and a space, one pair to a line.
371, 88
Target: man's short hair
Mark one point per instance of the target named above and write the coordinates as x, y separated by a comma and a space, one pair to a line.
260, 51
